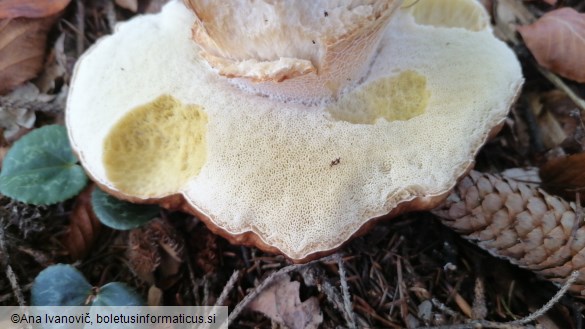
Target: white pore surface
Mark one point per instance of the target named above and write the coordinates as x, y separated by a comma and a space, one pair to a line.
269, 166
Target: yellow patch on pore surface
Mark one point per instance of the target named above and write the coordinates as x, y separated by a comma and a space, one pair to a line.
398, 98
466, 14
156, 148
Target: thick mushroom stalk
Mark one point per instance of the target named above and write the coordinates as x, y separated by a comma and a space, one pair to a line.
303, 51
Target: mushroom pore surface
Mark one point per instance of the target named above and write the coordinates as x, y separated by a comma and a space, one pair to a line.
278, 172
154, 149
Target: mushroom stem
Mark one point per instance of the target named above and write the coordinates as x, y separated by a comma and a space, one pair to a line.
305, 51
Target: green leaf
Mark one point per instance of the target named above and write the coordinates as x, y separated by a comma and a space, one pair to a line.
117, 294
63, 285
41, 169
60, 285
118, 214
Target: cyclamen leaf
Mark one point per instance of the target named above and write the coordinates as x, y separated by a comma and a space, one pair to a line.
118, 214
63, 285
117, 294
557, 41
41, 169
60, 285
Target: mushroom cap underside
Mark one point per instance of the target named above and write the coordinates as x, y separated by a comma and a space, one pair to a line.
151, 121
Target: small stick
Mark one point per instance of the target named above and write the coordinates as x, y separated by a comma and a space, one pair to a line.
349, 314
444, 308
550, 303
479, 308
270, 279
193, 281
6, 263
559, 83
516, 323
111, 15
80, 30
228, 287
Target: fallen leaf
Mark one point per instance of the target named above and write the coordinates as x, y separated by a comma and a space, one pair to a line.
22, 49
3, 151
14, 114
56, 67
131, 5
155, 296
281, 303
155, 6
557, 41
564, 176
84, 227
569, 117
549, 2
31, 8
506, 15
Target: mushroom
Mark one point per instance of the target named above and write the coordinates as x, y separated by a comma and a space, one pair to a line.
291, 126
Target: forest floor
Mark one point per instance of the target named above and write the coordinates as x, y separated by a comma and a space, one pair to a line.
408, 272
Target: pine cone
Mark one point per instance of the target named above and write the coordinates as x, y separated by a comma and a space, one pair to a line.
520, 223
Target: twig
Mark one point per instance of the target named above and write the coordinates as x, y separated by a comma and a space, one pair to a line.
479, 309
401, 289
206, 289
349, 314
111, 15
314, 276
80, 30
269, 280
195, 288
228, 287
8, 269
444, 308
516, 323
559, 83
550, 303
478, 324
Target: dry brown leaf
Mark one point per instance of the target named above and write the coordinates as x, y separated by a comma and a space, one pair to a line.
155, 296
3, 151
22, 49
569, 118
564, 176
31, 8
14, 114
281, 303
131, 5
550, 2
557, 41
84, 227
56, 68
155, 6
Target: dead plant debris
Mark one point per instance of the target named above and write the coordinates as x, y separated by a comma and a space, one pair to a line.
407, 273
